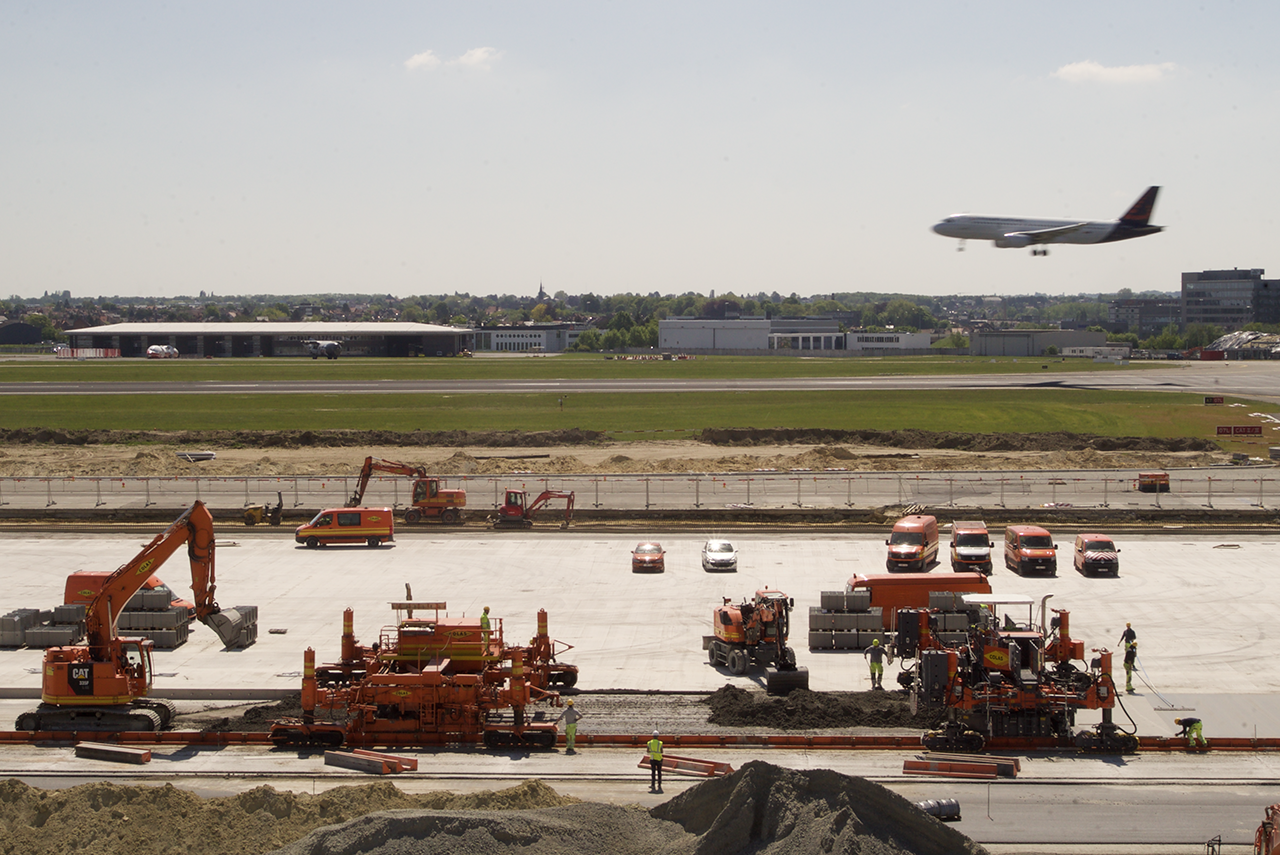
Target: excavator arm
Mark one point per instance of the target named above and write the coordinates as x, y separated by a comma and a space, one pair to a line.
194, 528
373, 464
546, 497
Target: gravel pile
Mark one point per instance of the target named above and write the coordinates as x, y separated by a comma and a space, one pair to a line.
107, 819
760, 809
806, 710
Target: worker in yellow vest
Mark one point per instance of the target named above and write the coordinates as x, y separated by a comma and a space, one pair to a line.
655, 763
484, 630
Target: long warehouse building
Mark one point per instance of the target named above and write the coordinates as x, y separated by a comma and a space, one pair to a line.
264, 338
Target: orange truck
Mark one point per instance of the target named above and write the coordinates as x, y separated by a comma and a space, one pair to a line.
893, 591
913, 544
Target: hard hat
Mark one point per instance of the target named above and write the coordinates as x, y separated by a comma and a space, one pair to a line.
570, 703
1128, 624
875, 643
655, 733
1177, 721
486, 608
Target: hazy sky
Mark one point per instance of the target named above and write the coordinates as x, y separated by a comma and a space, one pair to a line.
430, 147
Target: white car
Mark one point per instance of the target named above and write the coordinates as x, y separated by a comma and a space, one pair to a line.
719, 555
162, 351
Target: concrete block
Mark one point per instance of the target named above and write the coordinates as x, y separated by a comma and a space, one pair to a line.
857, 601
845, 620
114, 753
832, 601
68, 613
351, 760
50, 636
12, 637
820, 640
821, 619
957, 622
157, 600
865, 637
846, 640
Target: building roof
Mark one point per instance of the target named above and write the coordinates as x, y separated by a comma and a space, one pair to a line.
311, 329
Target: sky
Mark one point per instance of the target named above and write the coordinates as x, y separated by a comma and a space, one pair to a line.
405, 148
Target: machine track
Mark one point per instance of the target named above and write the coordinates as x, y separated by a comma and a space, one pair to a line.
111, 719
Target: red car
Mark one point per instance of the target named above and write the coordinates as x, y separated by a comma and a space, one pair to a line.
647, 558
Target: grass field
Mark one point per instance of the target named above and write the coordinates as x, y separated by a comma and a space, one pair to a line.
566, 366
974, 411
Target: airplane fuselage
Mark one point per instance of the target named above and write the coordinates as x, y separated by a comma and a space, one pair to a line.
1023, 231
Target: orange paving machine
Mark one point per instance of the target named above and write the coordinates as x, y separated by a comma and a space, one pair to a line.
431, 681
1013, 680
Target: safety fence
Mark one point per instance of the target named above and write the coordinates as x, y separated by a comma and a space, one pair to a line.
1237, 488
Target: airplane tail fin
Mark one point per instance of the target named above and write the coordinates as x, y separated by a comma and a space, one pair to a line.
1140, 213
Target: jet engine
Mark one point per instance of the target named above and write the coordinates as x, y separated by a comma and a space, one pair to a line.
1014, 241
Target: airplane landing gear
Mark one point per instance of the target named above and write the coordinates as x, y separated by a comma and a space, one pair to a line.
1039, 251
960, 246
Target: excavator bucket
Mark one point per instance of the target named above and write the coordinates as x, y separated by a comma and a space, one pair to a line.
234, 627
778, 682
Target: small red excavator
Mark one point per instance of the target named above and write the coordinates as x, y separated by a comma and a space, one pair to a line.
103, 684
430, 500
755, 633
518, 512
1266, 841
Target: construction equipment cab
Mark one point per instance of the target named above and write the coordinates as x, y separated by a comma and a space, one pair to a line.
913, 544
372, 526
970, 547
1030, 549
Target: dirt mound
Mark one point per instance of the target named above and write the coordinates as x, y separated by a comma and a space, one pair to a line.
772, 811
106, 819
760, 809
302, 438
258, 719
985, 442
806, 710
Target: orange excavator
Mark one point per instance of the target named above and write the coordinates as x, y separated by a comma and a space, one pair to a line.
755, 633
518, 512
430, 500
103, 684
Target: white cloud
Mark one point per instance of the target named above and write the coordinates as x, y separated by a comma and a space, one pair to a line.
1093, 72
480, 58
426, 59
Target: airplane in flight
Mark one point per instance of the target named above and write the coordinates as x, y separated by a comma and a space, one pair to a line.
1007, 232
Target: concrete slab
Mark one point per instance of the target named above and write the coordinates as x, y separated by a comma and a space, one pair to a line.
644, 631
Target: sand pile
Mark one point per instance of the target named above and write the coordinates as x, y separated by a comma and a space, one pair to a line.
760, 809
806, 710
106, 819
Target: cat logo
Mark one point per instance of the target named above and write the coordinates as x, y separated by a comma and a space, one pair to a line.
459, 633
996, 657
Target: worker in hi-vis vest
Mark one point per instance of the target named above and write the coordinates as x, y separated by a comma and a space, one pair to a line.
655, 763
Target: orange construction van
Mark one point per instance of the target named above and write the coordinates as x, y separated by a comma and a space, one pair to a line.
913, 544
1030, 549
893, 591
373, 526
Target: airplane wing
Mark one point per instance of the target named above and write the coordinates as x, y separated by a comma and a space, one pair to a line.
1047, 235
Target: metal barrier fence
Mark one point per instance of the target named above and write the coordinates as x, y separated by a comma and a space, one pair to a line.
1237, 488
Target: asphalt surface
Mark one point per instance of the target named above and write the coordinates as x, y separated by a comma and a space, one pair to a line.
1245, 379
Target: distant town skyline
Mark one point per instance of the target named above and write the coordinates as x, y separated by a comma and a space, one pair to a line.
410, 149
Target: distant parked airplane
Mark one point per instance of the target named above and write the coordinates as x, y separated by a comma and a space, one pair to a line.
327, 349
1018, 232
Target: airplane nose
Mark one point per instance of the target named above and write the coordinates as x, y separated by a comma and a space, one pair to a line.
937, 227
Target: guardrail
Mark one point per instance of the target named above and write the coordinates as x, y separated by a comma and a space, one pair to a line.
1239, 488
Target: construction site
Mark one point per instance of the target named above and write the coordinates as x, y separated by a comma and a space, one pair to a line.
443, 660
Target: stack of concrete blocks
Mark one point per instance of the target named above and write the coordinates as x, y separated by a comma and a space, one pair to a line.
845, 621
150, 613
249, 631
954, 617
15, 625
